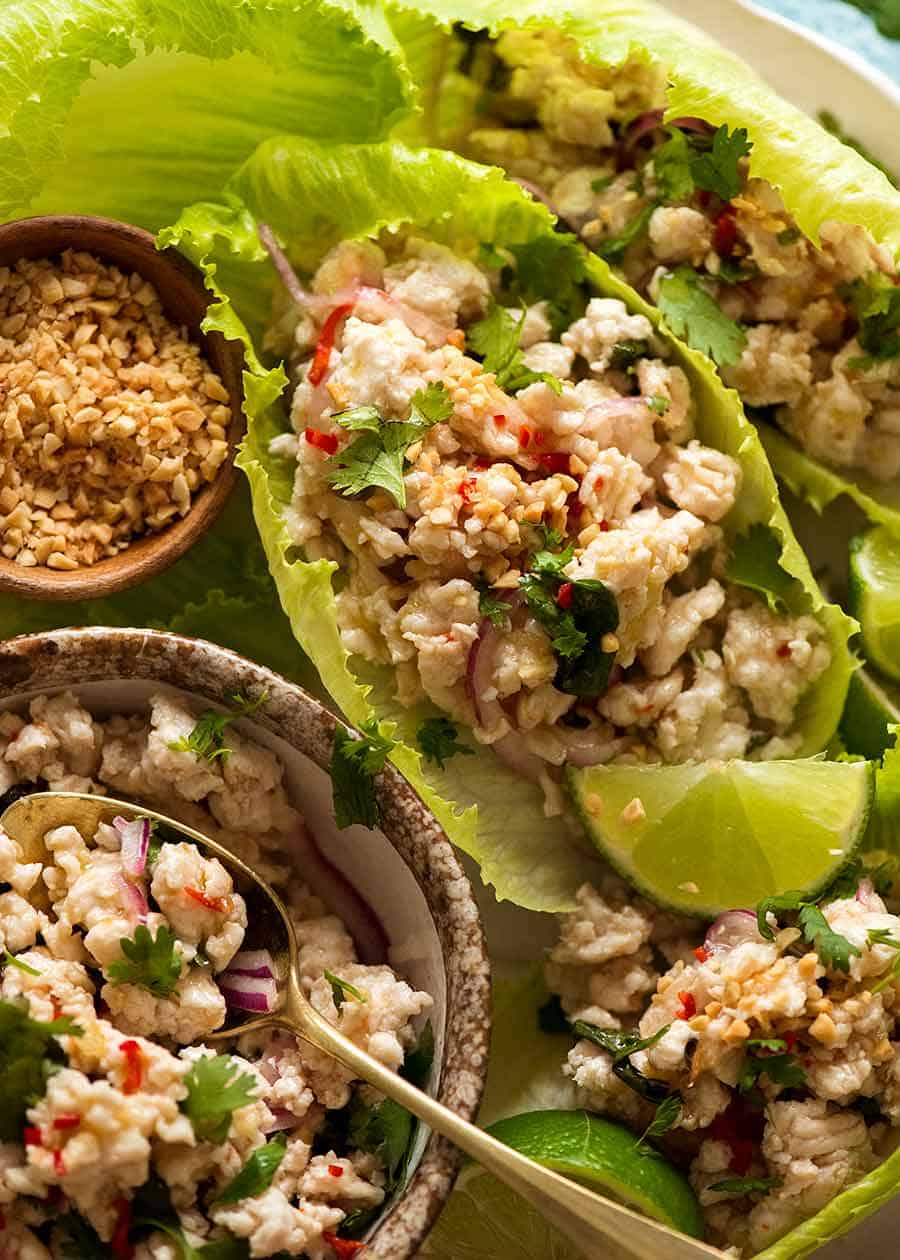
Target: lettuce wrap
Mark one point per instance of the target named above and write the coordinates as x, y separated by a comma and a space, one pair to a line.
820, 180
312, 197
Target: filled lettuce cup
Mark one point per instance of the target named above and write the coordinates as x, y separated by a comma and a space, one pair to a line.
765, 243
503, 509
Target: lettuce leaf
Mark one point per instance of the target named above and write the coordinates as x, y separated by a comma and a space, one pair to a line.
819, 177
313, 196
133, 108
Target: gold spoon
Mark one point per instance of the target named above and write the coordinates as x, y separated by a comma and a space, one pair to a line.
596, 1225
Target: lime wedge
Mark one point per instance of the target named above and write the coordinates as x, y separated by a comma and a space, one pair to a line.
710, 837
486, 1221
875, 597
873, 705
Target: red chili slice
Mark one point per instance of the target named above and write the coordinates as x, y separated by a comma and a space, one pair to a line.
564, 595
725, 234
701, 953
783, 650
343, 1248
556, 461
325, 345
688, 1006
500, 421
66, 1122
524, 436
32, 1135
134, 1072
119, 1243
467, 488
210, 903
59, 1164
326, 442
335, 1170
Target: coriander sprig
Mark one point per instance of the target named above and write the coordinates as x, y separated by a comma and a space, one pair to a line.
207, 739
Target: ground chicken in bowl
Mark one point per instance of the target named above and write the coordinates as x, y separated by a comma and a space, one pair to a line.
127, 1136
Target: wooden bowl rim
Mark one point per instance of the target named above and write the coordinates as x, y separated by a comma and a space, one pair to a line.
150, 554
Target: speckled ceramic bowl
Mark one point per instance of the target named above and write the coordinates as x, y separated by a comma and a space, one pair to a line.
408, 872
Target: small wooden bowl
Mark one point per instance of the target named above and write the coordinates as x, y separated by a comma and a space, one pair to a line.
184, 298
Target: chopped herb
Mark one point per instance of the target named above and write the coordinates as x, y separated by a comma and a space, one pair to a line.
152, 963
549, 536
648, 1087
552, 264
619, 1044
781, 1069
777, 1045
746, 1185
256, 1175
876, 303
491, 257
29, 1054
882, 936
657, 403
735, 271
11, 961
717, 171
384, 1129
833, 949
664, 1119
672, 164
551, 563
354, 764
207, 739
216, 1087
755, 563
601, 184
377, 456
693, 315
552, 1018
790, 236
490, 605
437, 739
614, 246
496, 338
342, 989
625, 354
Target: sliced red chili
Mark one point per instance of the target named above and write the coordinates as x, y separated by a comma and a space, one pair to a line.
210, 903
783, 650
524, 436
67, 1122
564, 595
342, 1247
500, 421
556, 462
790, 1040
325, 344
603, 526
120, 1244
688, 1008
467, 488
725, 233
59, 1164
701, 953
326, 442
134, 1070
335, 1170
482, 461
32, 1135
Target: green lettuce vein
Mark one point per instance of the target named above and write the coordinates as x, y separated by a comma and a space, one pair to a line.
313, 196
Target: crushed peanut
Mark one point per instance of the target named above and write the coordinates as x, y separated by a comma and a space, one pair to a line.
111, 420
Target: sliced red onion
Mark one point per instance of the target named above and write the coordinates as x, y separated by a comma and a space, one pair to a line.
135, 836
135, 899
480, 674
512, 751
646, 123
281, 1119
253, 962
342, 898
248, 993
867, 896
734, 927
286, 272
587, 748
376, 305
687, 122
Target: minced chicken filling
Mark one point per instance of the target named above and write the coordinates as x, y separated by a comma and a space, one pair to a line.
780, 1051
137, 1122
544, 560
809, 333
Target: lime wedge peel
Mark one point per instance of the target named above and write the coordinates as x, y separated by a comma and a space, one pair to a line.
872, 708
484, 1220
874, 597
704, 838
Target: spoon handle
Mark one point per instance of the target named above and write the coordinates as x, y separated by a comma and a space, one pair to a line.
596, 1225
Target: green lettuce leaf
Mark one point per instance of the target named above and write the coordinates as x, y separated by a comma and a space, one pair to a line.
313, 196
819, 177
133, 108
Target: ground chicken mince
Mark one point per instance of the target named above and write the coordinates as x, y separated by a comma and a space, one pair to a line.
544, 558
782, 1050
111, 419
810, 338
135, 1136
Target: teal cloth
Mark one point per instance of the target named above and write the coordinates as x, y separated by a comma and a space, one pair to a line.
846, 25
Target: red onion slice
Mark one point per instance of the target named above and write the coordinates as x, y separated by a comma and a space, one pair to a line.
587, 748
480, 668
253, 962
649, 122
135, 900
867, 896
281, 1119
286, 272
734, 927
512, 751
342, 898
135, 837
247, 993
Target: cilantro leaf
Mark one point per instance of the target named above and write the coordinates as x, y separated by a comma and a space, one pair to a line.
775, 905
552, 268
150, 962
717, 170
496, 339
595, 613
615, 1042
417, 1064
566, 638
384, 1129
833, 949
658, 404
207, 739
781, 1069
775, 1044
876, 303
28, 1055
548, 534
664, 1119
492, 606
614, 246
625, 354
746, 1185
377, 456
216, 1088
342, 989
437, 739
672, 164
256, 1175
354, 764
10, 960
755, 563
551, 562
692, 315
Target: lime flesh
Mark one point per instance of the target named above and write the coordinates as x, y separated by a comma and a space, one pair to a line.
875, 597
704, 838
486, 1221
